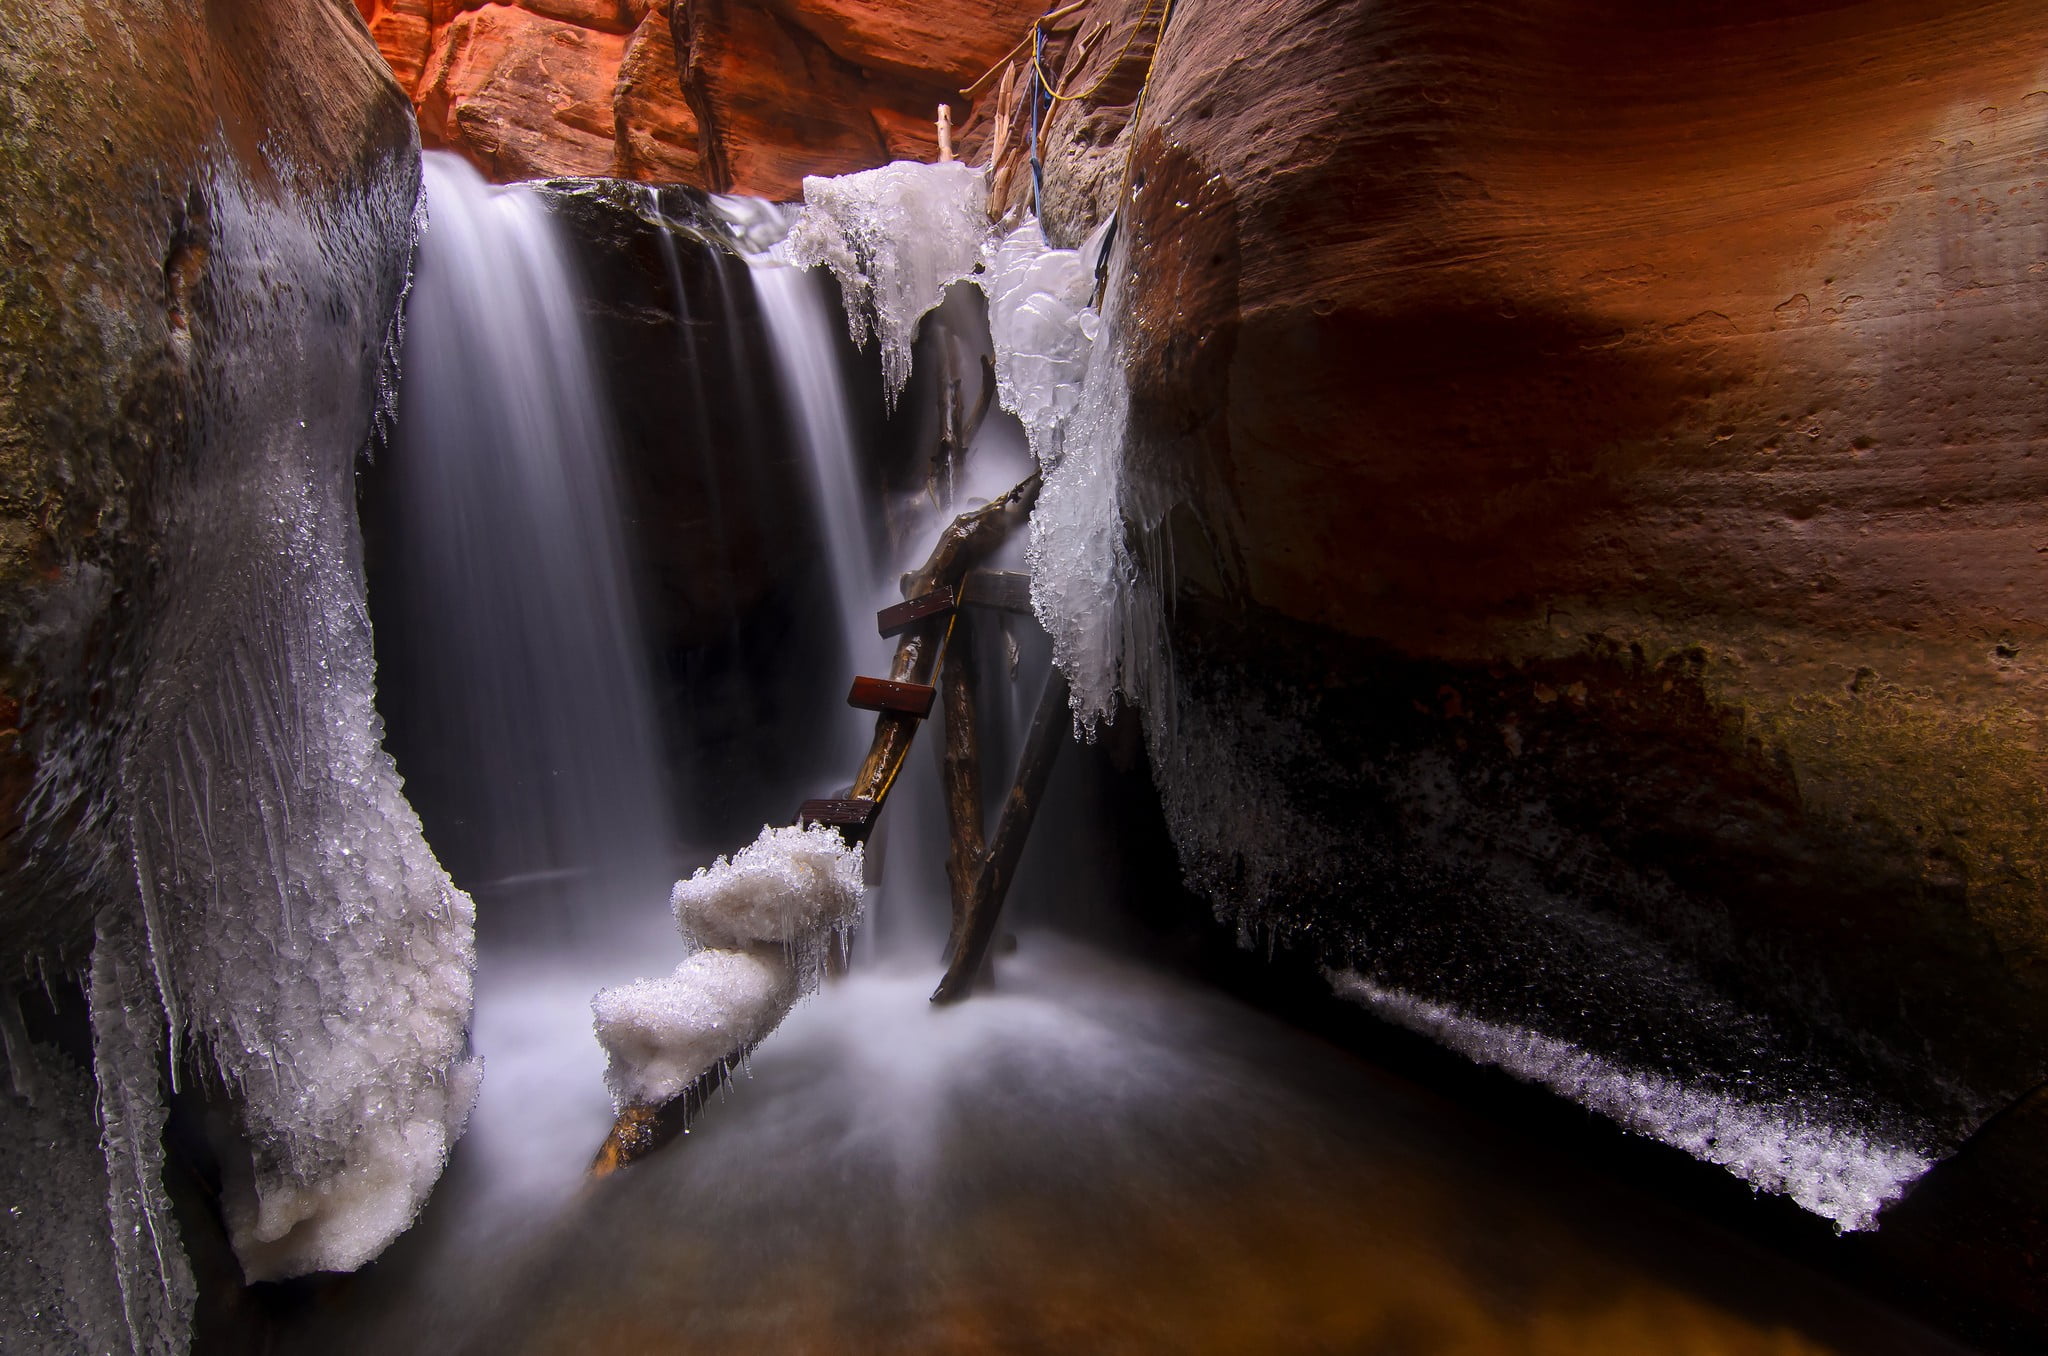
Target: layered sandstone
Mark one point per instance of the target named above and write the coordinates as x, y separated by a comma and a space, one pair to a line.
730, 95
1598, 454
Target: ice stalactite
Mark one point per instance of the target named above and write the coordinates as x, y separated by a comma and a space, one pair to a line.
1060, 370
312, 947
58, 1295
895, 238
1043, 329
128, 1026
765, 921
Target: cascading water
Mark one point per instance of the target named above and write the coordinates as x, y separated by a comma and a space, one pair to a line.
807, 364
1087, 1156
511, 532
533, 730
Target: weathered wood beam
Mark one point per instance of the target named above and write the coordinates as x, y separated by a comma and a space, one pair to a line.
640, 1129
1051, 726
894, 621
960, 771
881, 694
969, 539
1004, 590
840, 814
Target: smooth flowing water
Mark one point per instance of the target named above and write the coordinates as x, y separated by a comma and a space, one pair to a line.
527, 670
1092, 1155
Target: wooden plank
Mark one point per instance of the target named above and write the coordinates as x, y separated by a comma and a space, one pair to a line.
844, 814
891, 621
1004, 590
882, 694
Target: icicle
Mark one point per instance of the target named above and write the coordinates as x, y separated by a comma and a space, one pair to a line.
155, 1282
14, 1040
895, 237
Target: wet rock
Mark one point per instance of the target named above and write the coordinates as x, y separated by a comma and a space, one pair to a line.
119, 125
1597, 453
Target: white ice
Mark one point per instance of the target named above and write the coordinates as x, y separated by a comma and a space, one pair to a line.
894, 237
1837, 1172
662, 1034
1043, 330
791, 886
302, 932
766, 918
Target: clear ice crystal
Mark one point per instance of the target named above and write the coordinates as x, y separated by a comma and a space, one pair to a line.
1042, 328
1085, 581
154, 1280
895, 237
58, 1295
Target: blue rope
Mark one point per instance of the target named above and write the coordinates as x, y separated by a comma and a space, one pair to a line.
1037, 99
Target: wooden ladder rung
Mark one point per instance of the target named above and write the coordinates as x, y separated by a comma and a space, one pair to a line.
842, 814
895, 620
1005, 590
880, 694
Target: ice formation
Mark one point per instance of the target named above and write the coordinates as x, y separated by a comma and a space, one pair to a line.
661, 1034
150, 1271
1061, 372
1043, 330
300, 930
894, 237
764, 918
1836, 1172
58, 1292
790, 886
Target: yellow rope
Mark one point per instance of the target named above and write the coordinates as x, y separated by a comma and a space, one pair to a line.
938, 667
1144, 18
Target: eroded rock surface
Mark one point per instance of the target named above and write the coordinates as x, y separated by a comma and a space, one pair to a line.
1596, 452
731, 95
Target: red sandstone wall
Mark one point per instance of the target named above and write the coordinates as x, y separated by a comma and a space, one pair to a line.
733, 95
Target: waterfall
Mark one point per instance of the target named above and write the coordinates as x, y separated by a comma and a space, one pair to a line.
802, 333
533, 725
520, 603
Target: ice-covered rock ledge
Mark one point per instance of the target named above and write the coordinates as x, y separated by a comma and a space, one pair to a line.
1837, 1171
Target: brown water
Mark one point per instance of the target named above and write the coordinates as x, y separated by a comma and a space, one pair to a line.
1096, 1158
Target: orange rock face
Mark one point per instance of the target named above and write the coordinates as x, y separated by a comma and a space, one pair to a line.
1634, 413
731, 95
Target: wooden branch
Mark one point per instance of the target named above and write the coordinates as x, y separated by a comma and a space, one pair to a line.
1050, 727
960, 770
641, 1129
1048, 22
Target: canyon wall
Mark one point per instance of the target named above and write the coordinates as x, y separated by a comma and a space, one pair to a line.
1592, 457
731, 95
